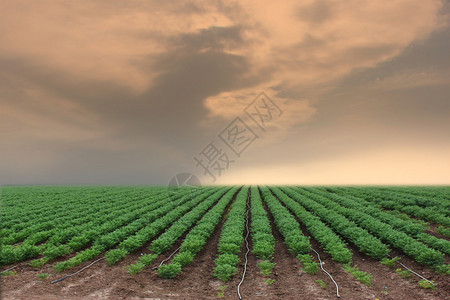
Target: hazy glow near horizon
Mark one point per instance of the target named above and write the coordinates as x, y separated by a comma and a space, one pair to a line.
129, 92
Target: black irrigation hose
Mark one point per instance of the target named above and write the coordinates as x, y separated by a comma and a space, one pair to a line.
337, 288
248, 250
413, 271
164, 260
67, 276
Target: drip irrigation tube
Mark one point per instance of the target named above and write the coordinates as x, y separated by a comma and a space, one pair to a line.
67, 276
164, 260
337, 288
413, 272
248, 250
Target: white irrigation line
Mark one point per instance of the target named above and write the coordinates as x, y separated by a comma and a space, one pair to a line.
413, 271
9, 269
246, 253
416, 273
337, 288
164, 260
67, 276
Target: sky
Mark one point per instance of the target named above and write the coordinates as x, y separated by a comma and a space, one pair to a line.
232, 92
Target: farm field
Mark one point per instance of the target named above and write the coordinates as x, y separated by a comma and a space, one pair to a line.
196, 243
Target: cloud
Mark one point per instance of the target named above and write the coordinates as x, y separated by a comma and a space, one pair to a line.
137, 77
410, 79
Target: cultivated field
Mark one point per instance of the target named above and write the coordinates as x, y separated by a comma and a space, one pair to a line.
225, 241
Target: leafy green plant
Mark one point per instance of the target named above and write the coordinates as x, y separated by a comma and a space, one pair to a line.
328, 212
148, 259
196, 238
265, 267
227, 259
403, 273
311, 268
43, 276
442, 269
231, 238
321, 283
37, 263
8, 273
361, 276
425, 284
221, 291
115, 255
442, 230
386, 232
308, 264
169, 271
184, 258
178, 220
289, 228
330, 241
263, 250
436, 243
261, 229
224, 272
389, 262
269, 281
133, 269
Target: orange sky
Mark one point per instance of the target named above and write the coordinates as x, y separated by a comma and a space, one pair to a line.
116, 92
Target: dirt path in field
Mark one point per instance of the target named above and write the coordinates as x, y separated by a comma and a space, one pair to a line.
432, 231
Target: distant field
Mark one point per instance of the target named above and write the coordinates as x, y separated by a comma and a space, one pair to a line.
191, 242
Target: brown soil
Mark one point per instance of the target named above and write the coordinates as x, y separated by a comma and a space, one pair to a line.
432, 231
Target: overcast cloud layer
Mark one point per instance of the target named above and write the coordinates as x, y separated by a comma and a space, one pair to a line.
128, 92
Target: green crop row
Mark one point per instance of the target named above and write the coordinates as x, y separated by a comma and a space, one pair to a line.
197, 237
406, 226
180, 219
107, 241
329, 241
438, 244
28, 249
56, 204
231, 238
361, 238
296, 242
408, 199
261, 229
440, 193
105, 224
433, 214
411, 247
39, 232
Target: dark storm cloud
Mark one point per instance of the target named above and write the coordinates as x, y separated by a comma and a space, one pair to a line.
168, 113
128, 92
195, 68
414, 115
316, 13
